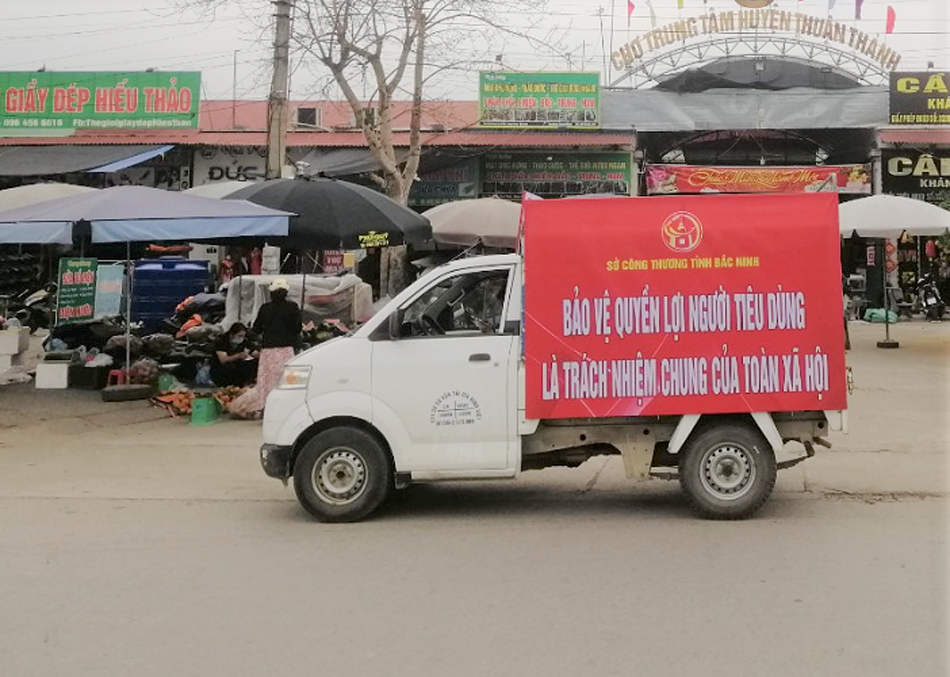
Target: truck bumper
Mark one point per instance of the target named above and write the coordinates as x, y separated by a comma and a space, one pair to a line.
275, 460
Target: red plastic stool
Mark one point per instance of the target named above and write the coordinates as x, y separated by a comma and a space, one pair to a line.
116, 377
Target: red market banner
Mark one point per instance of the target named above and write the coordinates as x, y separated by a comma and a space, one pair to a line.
647, 306
671, 179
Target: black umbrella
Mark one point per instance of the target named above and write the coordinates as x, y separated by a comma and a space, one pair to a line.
337, 214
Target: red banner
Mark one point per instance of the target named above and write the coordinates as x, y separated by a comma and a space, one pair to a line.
652, 306
670, 179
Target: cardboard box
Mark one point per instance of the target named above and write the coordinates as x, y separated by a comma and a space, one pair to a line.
52, 375
14, 341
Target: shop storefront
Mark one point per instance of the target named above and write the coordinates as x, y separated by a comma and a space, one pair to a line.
915, 163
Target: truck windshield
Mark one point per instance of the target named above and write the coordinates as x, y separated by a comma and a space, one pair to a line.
471, 302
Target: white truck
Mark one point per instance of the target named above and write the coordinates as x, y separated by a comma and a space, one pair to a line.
434, 388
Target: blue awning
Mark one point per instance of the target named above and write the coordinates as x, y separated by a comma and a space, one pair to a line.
130, 161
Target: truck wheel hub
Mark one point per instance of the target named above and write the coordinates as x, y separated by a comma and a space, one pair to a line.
340, 477
727, 472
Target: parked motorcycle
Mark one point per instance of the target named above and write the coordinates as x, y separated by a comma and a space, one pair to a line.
930, 300
34, 309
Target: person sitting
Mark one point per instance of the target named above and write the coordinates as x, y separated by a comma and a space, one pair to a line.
234, 363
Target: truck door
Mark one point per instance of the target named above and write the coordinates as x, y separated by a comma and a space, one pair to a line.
445, 381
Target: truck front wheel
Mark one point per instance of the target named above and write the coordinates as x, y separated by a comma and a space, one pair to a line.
342, 475
727, 470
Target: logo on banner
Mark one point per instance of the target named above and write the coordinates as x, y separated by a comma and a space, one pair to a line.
682, 232
754, 4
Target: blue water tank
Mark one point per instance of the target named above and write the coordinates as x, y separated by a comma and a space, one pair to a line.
161, 284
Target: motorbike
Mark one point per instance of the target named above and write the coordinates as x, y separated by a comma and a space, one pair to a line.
34, 309
930, 300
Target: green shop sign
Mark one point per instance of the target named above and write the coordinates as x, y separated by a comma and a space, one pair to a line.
76, 299
581, 168
543, 99
54, 102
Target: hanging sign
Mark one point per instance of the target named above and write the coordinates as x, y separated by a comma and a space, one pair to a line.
666, 179
542, 167
76, 297
920, 98
645, 307
65, 101
110, 280
542, 99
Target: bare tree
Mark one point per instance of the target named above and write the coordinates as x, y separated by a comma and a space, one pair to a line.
382, 52
393, 48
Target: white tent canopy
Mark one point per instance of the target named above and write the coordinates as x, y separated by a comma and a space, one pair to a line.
888, 216
218, 190
34, 193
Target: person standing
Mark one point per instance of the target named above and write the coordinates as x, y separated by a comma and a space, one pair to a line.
278, 322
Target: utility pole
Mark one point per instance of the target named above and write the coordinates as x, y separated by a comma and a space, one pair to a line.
277, 100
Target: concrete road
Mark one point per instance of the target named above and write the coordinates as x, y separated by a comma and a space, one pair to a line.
134, 544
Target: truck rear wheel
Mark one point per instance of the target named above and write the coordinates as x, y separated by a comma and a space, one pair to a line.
727, 470
342, 475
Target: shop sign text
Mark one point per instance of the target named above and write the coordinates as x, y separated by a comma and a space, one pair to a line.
85, 100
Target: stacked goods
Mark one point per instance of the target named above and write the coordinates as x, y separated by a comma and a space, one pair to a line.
225, 396
180, 401
143, 371
177, 402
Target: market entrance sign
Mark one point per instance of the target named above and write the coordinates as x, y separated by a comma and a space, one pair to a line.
921, 98
76, 299
543, 99
753, 22
65, 101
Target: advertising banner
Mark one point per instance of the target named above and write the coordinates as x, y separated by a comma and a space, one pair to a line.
911, 173
65, 101
669, 179
920, 98
76, 299
542, 99
643, 307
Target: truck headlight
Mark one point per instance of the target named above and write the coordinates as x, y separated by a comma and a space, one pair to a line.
294, 378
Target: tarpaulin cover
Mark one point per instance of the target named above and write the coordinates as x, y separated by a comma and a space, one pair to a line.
343, 297
683, 305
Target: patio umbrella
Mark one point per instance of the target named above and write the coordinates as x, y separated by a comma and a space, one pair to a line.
490, 221
135, 214
337, 215
21, 196
887, 216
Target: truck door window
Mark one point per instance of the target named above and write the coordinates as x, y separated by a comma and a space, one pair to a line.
466, 304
